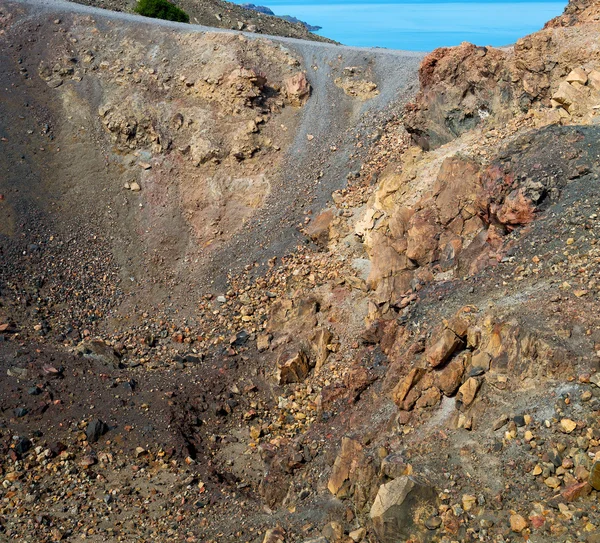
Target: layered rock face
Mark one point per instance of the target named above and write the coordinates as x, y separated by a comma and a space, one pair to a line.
577, 13
461, 87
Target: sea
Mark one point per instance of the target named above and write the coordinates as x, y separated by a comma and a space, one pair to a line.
420, 25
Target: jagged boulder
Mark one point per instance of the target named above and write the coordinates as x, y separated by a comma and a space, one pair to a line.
321, 344
318, 229
404, 386
401, 508
293, 369
345, 464
443, 348
99, 351
297, 89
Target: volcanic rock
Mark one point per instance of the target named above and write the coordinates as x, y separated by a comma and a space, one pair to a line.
293, 369
95, 430
394, 511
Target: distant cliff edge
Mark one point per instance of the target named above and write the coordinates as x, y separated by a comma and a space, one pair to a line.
289, 18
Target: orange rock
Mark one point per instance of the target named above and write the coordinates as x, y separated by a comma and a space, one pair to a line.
517, 523
517, 210
319, 343
449, 379
318, 229
293, 369
460, 322
468, 391
429, 398
403, 387
443, 348
422, 238
344, 465
576, 491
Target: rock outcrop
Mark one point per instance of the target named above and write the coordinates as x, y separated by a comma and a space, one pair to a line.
468, 86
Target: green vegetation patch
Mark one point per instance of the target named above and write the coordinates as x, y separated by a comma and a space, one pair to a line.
161, 9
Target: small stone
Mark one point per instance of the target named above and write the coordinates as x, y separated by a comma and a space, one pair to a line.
567, 425
275, 535
517, 523
581, 473
263, 342
429, 398
333, 532
433, 523
468, 502
255, 432
552, 482
443, 348
88, 461
519, 420
594, 478
134, 187
19, 373
293, 369
500, 422
468, 391
95, 430
481, 360
54, 82
396, 504
450, 378
394, 465
22, 445
20, 412
594, 79
344, 464
595, 379
464, 421
357, 535
405, 385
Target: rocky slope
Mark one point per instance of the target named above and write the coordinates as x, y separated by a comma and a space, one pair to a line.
227, 15
148, 168
243, 279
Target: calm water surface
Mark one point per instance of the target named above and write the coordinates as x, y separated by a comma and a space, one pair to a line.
420, 25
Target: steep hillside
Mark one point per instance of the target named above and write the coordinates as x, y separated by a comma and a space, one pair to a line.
222, 14
270, 291
146, 167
